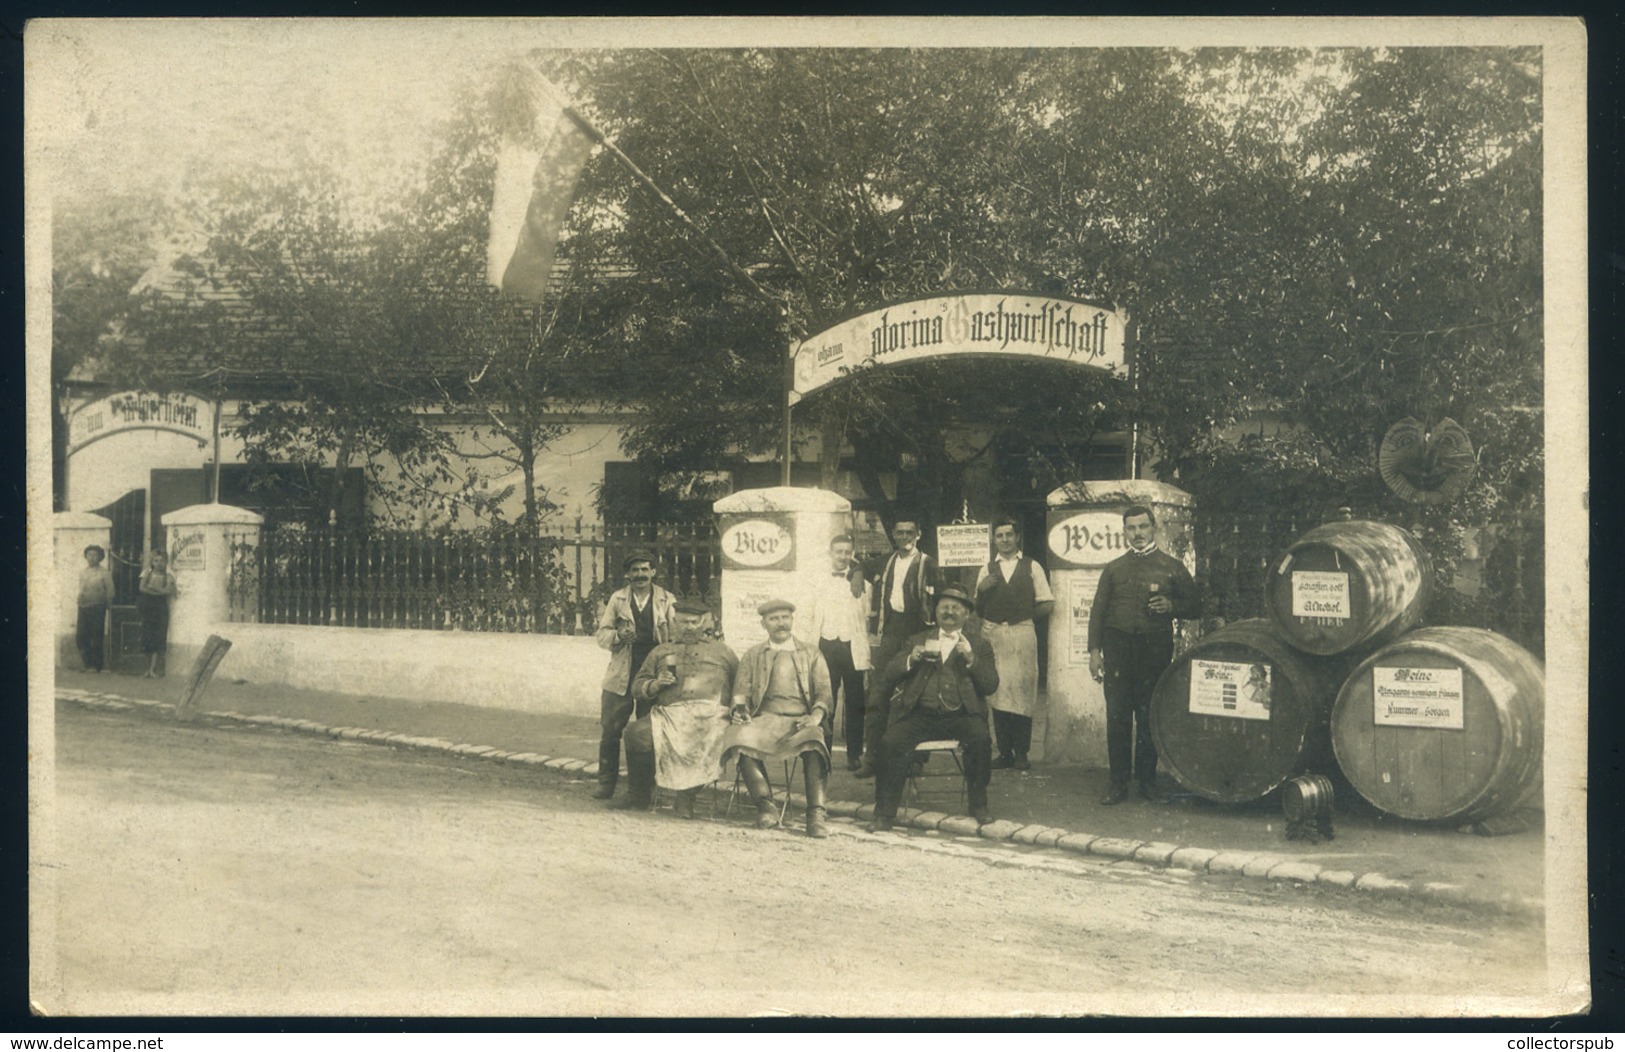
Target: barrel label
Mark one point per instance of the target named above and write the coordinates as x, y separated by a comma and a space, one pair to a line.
1320, 594
1230, 688
1417, 697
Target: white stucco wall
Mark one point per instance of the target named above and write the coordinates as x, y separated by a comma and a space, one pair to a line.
524, 673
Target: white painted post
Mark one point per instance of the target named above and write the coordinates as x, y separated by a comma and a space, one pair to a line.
775, 545
75, 531
200, 539
1086, 533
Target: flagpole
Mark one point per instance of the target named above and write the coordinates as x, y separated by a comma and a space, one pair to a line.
787, 454
597, 135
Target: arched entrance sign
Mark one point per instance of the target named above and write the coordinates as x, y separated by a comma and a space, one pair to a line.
989, 324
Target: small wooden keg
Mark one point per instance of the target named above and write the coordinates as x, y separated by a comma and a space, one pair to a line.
1445, 723
1348, 586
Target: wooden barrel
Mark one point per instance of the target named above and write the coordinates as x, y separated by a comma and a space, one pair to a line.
1348, 586
1446, 723
1241, 712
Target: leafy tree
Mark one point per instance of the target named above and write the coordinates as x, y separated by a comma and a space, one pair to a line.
98, 250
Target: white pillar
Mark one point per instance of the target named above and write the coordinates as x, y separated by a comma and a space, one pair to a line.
75, 531
200, 556
1086, 533
775, 545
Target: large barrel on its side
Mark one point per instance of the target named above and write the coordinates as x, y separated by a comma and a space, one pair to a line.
1446, 723
1349, 585
1240, 712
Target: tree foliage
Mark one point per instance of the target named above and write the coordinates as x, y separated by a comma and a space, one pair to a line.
1339, 237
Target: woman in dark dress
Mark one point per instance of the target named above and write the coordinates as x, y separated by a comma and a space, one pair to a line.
152, 602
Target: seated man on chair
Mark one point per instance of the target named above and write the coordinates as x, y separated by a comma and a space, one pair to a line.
780, 701
677, 743
945, 677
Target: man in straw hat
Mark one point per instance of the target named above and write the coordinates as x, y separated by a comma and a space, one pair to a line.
635, 620
677, 743
780, 701
942, 682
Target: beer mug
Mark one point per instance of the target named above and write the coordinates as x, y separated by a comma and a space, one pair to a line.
1152, 591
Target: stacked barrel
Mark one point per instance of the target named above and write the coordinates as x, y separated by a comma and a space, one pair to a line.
1425, 723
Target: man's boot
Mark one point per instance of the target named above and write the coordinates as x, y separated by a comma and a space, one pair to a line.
767, 813
640, 783
817, 814
609, 769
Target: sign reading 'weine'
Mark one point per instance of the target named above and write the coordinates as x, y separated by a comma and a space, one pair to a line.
1417, 697
1073, 331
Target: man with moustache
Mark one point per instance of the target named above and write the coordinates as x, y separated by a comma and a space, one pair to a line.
635, 620
1010, 594
684, 688
945, 678
903, 605
1130, 642
780, 701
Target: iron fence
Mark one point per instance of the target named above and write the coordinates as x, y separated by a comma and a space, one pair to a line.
488, 580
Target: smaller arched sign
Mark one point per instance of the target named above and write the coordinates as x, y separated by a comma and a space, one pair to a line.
989, 324
184, 414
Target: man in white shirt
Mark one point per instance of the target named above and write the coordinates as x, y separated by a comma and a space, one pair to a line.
903, 603
1011, 594
840, 616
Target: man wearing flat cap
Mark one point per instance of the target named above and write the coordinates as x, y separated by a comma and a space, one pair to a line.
635, 620
937, 688
780, 701
686, 686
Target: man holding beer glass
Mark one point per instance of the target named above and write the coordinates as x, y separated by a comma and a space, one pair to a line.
1130, 642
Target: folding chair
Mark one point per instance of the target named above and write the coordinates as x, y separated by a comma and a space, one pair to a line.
917, 773
791, 766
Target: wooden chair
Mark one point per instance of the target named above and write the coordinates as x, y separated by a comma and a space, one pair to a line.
913, 790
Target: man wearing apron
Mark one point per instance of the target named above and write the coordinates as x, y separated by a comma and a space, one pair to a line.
677, 743
1011, 593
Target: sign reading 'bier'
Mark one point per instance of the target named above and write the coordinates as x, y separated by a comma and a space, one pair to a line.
1074, 331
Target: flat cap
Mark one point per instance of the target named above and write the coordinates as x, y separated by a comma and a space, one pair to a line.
775, 604
692, 606
637, 557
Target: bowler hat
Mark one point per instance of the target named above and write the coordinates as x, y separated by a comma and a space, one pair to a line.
773, 605
952, 591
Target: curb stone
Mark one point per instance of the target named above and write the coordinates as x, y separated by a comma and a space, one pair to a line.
1075, 842
1155, 853
1152, 854
1229, 862
1115, 847
1261, 865
1304, 871
1194, 858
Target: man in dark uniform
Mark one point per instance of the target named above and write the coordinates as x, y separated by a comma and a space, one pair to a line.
1131, 641
946, 676
903, 608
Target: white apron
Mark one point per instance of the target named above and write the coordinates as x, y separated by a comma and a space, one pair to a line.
1015, 651
688, 743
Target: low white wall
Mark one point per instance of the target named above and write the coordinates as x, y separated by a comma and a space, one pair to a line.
528, 673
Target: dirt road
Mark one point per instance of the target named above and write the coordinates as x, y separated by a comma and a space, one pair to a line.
205, 870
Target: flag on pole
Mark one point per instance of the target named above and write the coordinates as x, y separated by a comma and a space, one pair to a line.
542, 154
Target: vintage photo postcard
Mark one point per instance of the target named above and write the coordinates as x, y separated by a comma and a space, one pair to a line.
860, 517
